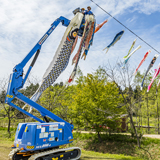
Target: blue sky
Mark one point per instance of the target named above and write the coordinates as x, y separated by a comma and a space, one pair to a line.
23, 23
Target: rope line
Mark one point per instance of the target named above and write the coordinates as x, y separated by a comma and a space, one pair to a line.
126, 27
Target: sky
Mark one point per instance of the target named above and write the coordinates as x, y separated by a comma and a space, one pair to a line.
23, 23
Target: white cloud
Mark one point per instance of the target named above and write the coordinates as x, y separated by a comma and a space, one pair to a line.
23, 23
148, 6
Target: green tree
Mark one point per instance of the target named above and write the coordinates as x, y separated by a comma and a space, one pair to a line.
57, 99
123, 78
8, 111
96, 102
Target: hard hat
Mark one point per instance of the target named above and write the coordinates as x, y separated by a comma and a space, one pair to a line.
82, 8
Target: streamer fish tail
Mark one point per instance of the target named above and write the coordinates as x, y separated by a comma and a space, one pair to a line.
83, 41
148, 69
100, 25
144, 58
130, 48
154, 77
74, 44
116, 38
128, 57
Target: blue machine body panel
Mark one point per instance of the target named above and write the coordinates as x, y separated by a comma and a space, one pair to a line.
36, 136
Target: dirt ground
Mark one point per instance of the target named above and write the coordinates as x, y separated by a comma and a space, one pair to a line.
4, 150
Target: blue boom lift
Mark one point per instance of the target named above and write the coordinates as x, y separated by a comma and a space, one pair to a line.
39, 140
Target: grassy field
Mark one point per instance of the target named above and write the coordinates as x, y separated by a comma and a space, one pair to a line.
90, 155
112, 147
5, 148
120, 145
87, 154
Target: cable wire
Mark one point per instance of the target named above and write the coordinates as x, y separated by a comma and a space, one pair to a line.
125, 27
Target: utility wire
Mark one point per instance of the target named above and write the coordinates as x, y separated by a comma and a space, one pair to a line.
126, 27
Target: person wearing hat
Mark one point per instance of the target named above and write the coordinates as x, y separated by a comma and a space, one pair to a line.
82, 10
85, 12
88, 11
80, 32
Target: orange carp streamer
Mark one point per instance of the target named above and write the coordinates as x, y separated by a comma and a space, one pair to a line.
100, 25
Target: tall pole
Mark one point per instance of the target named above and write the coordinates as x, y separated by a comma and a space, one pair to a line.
157, 113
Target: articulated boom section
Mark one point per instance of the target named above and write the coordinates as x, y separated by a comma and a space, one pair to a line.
17, 81
32, 139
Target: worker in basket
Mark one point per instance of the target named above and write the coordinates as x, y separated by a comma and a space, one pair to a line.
88, 11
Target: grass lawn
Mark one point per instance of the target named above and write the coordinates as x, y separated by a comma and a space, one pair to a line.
112, 147
5, 148
87, 154
117, 144
90, 155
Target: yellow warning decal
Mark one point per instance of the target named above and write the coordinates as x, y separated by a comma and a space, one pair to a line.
70, 140
61, 155
9, 96
26, 129
30, 147
19, 128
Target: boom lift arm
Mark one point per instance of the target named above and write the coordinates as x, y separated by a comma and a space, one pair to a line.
17, 81
35, 141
